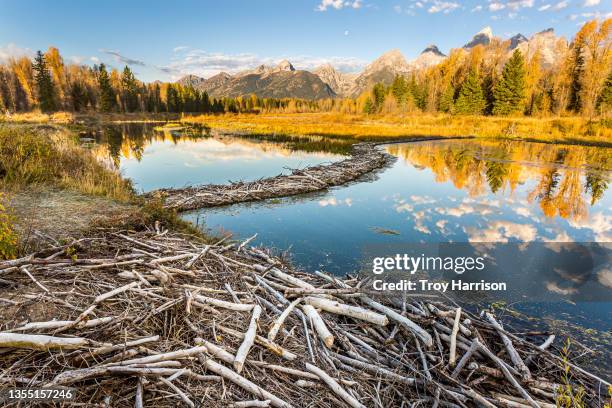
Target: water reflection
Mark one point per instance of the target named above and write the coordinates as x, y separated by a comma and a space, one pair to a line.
443, 191
158, 155
568, 179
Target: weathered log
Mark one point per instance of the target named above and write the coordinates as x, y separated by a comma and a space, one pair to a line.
334, 386
41, 342
347, 310
281, 319
242, 382
319, 325
248, 341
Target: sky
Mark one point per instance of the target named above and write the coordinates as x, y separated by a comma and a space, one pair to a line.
165, 40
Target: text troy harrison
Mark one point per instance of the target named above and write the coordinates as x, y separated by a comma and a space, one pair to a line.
426, 285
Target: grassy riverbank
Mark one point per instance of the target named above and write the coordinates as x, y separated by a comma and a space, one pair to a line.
51, 186
362, 127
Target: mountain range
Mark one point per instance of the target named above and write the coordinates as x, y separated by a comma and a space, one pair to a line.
284, 81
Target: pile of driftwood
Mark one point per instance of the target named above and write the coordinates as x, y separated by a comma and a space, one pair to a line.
364, 159
159, 319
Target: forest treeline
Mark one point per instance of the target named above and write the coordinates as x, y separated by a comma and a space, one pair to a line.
481, 81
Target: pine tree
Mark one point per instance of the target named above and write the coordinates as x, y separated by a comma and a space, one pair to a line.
399, 89
379, 92
509, 93
107, 101
604, 103
471, 99
44, 84
78, 96
130, 90
576, 72
447, 100
368, 107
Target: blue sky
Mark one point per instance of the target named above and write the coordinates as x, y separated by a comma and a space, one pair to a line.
163, 39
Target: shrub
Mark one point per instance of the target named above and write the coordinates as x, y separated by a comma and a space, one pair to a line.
46, 155
8, 237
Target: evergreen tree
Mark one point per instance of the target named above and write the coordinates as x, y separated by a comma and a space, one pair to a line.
78, 96
577, 69
379, 92
129, 87
368, 107
399, 89
487, 89
604, 102
107, 102
447, 100
173, 99
44, 84
471, 99
509, 93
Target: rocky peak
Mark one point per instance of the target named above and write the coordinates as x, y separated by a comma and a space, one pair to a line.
547, 31
433, 49
339, 82
190, 80
516, 40
483, 37
429, 57
284, 65
393, 60
547, 43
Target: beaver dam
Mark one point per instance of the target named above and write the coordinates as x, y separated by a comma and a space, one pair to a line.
154, 318
364, 159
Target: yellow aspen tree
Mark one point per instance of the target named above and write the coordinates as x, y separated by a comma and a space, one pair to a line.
597, 60
533, 76
22, 69
55, 63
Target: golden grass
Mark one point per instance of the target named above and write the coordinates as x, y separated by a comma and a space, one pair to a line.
50, 155
557, 129
38, 117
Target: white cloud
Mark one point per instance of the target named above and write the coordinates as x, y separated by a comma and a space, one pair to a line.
180, 48
523, 211
404, 208
502, 231
442, 7
555, 288
419, 217
560, 5
544, 7
591, 3
419, 200
338, 4
333, 202
477, 8
604, 277
13, 51
599, 224
496, 6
